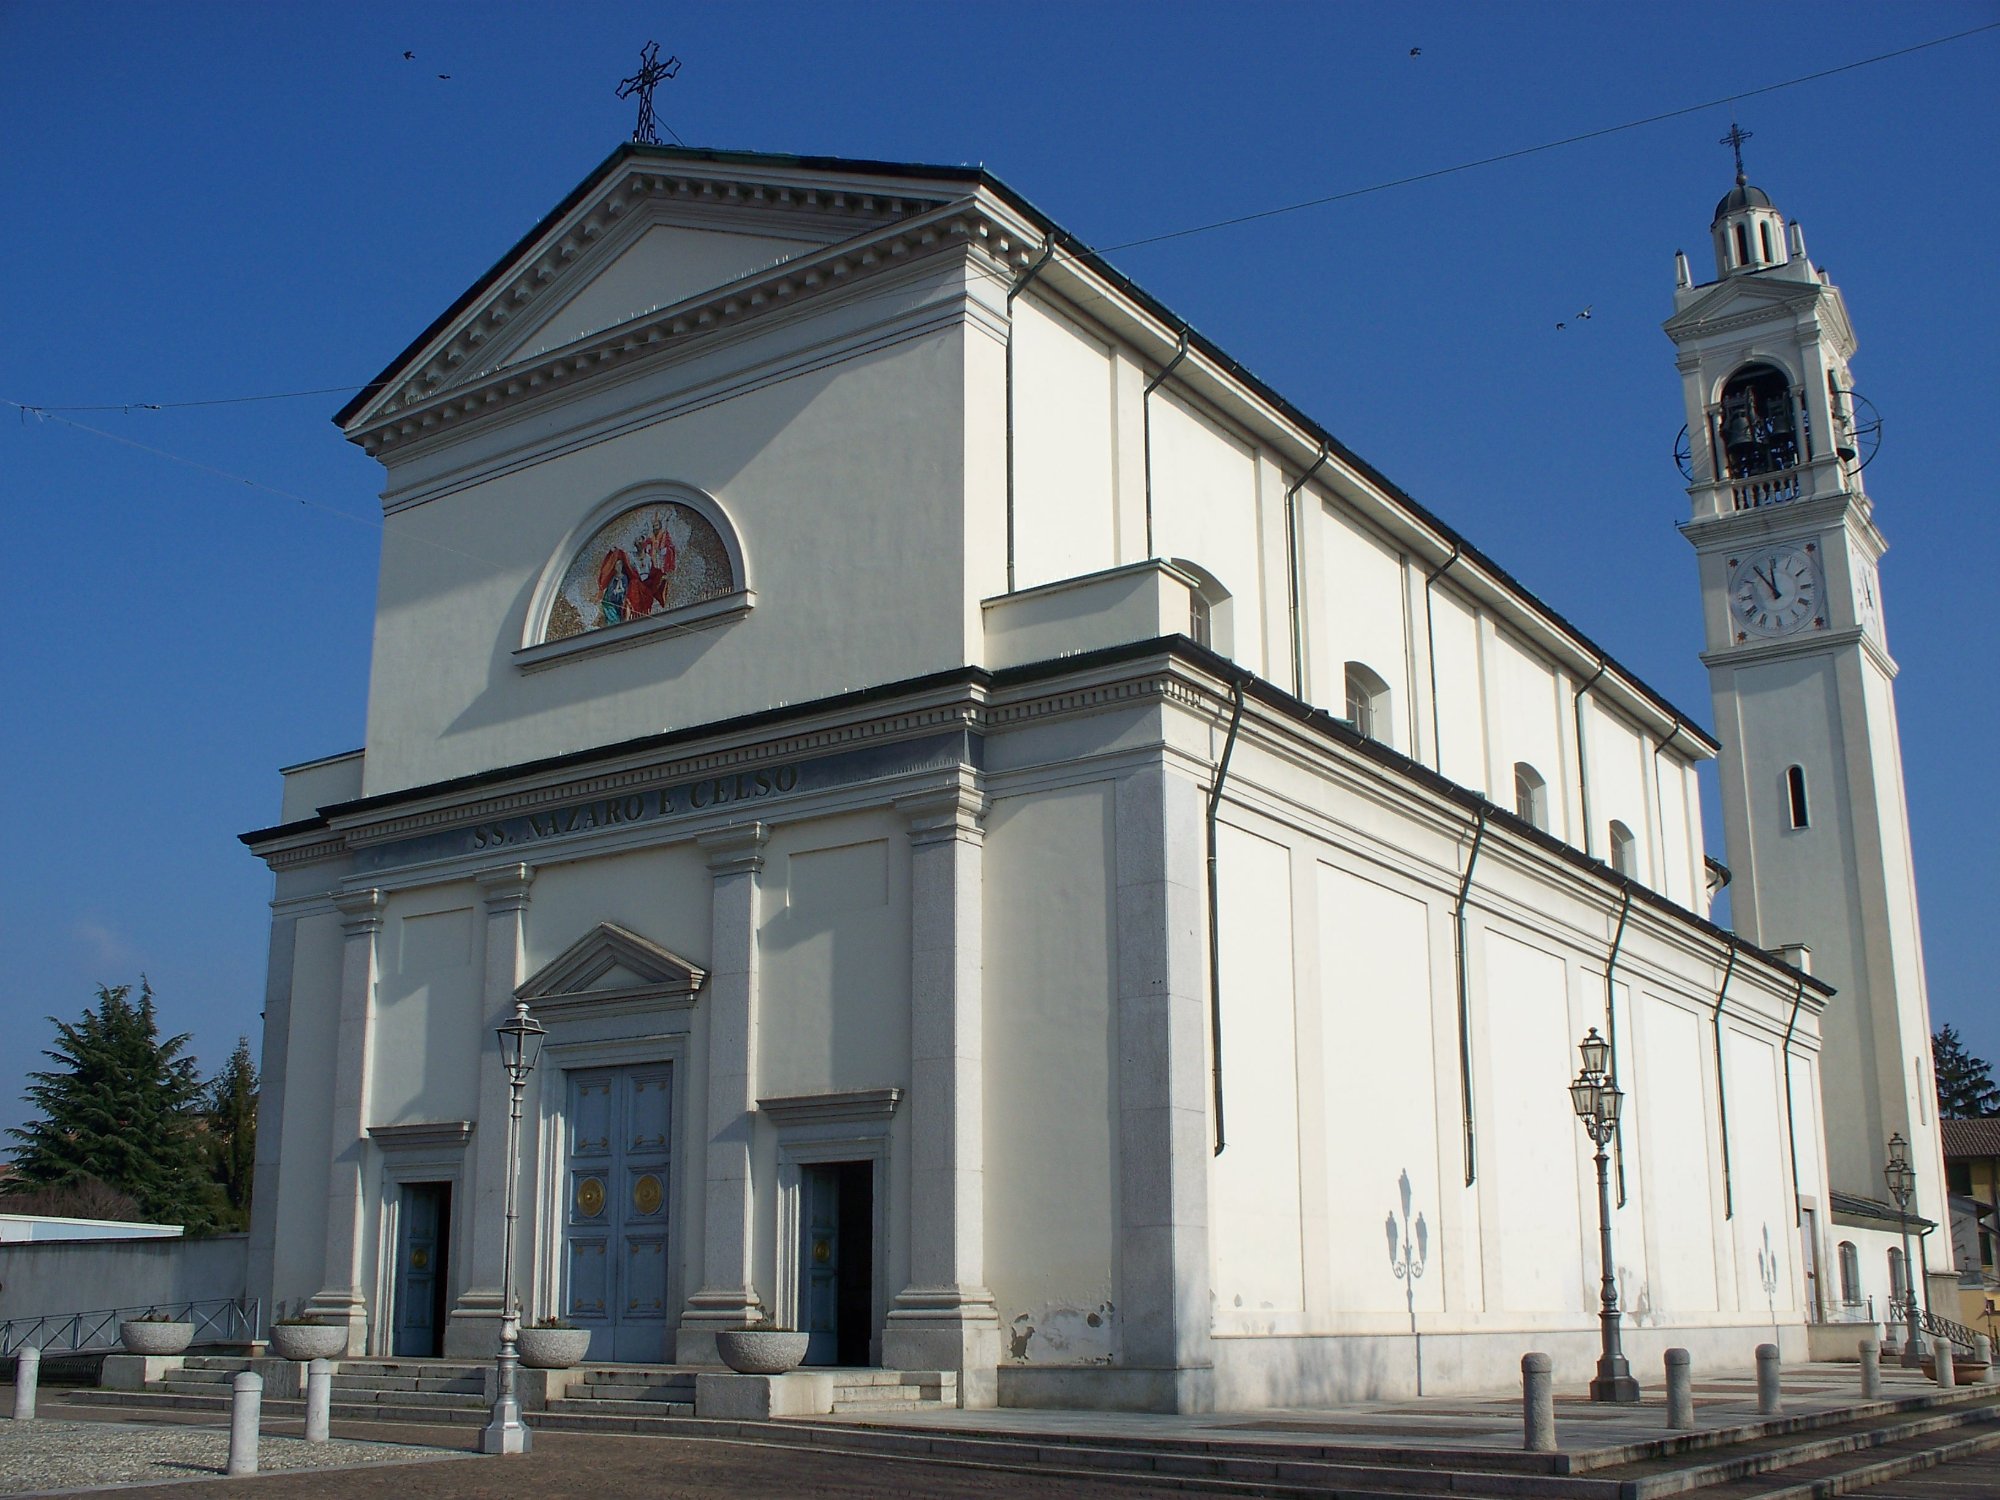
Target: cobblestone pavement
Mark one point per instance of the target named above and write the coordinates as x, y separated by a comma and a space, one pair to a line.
53, 1455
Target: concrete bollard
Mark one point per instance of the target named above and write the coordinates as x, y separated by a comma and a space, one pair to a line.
319, 1400
246, 1411
1945, 1362
1871, 1370
1680, 1389
1982, 1351
1770, 1395
1538, 1404
27, 1376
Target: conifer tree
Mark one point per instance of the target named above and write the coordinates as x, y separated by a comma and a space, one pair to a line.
120, 1107
230, 1114
1965, 1086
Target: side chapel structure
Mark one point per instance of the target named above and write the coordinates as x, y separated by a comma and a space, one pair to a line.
1030, 853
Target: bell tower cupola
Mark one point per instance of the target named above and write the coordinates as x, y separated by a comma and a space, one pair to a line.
1749, 233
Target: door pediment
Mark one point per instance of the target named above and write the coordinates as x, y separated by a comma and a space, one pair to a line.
611, 964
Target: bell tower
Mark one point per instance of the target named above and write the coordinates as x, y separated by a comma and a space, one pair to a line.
1814, 819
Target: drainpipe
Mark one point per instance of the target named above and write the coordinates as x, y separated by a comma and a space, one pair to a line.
1146, 427
1791, 1124
1583, 786
1214, 912
1431, 645
1292, 568
1020, 286
1465, 1000
1721, 1094
1611, 1030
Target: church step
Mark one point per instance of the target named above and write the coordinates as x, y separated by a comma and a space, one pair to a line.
1846, 1473
461, 1384
677, 1389
615, 1406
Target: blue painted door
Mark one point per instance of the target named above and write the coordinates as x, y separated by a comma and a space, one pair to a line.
836, 1277
422, 1217
618, 1172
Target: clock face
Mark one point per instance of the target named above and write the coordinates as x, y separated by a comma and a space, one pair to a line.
1774, 591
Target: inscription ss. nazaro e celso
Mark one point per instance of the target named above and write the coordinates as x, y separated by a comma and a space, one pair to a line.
637, 807
681, 799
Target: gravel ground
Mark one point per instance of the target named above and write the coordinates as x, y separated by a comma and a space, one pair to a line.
42, 1456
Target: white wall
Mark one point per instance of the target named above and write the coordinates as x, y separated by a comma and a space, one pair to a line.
1065, 452
1205, 510
70, 1276
1051, 1055
1360, 615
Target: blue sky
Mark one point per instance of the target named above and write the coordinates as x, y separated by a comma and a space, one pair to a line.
218, 201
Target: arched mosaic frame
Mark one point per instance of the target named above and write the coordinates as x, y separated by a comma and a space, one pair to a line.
654, 559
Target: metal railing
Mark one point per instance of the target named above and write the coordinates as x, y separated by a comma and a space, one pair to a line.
217, 1320
1945, 1328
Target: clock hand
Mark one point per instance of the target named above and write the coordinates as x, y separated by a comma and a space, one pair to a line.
1770, 582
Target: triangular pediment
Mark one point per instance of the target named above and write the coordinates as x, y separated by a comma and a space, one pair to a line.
652, 233
611, 963
1743, 297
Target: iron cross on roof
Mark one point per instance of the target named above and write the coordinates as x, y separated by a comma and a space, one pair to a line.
651, 72
1736, 137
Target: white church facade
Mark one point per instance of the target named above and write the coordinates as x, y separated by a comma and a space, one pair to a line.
1034, 859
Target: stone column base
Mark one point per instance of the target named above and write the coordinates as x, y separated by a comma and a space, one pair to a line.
472, 1329
751, 1397
947, 1329
134, 1372
344, 1306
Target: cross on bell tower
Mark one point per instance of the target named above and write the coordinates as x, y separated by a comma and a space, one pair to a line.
1736, 137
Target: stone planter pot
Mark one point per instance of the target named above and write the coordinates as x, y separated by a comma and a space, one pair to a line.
140, 1337
760, 1351
553, 1348
304, 1341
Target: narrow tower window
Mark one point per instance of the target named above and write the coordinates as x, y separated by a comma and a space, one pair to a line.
1368, 701
1531, 795
1624, 849
1795, 797
1742, 246
1764, 237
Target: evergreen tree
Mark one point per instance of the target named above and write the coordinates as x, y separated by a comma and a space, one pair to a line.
230, 1114
120, 1107
1965, 1086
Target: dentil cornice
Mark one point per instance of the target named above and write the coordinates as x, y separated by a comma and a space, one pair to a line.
436, 393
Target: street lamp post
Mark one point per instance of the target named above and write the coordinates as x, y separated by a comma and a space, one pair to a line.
520, 1048
1902, 1179
1597, 1101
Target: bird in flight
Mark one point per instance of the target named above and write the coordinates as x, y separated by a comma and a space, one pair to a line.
445, 76
1585, 314
1416, 52
409, 57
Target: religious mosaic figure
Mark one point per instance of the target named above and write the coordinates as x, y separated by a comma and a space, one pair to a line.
650, 560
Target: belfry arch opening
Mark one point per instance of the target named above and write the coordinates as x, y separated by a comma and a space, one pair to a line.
1759, 422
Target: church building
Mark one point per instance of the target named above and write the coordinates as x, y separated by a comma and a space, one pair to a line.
1038, 863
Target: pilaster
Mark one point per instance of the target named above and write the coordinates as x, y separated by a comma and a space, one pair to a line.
728, 1295
340, 1298
473, 1329
1163, 1123
945, 1318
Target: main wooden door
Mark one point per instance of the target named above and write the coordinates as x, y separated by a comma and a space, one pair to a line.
619, 1149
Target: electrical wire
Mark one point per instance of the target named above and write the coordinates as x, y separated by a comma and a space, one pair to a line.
1237, 220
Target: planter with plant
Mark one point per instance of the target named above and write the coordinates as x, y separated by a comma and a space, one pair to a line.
763, 1348
155, 1333
552, 1344
305, 1338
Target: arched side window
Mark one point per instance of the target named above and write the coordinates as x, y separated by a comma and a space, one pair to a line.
1624, 849
1209, 613
1896, 1277
654, 559
1368, 705
1531, 795
1796, 807
1850, 1274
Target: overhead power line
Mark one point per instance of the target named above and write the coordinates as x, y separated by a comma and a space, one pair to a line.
1236, 220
